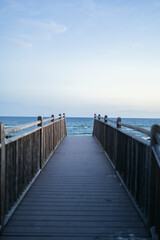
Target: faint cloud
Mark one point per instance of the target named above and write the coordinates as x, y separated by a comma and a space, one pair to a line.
51, 26
20, 43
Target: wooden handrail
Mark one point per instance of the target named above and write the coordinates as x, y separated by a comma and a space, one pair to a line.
21, 127
48, 119
138, 129
112, 121
25, 126
142, 130
16, 137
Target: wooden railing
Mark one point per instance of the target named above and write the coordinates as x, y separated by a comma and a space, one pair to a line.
23, 156
137, 163
155, 181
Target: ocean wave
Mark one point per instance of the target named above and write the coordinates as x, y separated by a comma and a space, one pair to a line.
80, 127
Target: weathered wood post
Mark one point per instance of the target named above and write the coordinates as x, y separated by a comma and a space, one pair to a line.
154, 130
116, 144
105, 118
64, 130
60, 116
99, 127
41, 142
94, 124
2, 176
105, 122
16, 169
118, 122
52, 116
154, 196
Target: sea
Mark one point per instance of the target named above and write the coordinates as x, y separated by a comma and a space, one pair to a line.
83, 126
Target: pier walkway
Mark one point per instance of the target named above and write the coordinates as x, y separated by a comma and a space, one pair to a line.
77, 196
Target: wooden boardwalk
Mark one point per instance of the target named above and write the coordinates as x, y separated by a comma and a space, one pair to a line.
77, 196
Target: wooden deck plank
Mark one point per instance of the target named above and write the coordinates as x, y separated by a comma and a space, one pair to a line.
82, 223
102, 231
78, 213
77, 196
72, 237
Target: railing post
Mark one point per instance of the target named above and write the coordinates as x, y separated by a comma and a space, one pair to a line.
63, 119
105, 119
99, 127
65, 130
94, 124
116, 144
118, 122
155, 129
41, 141
52, 116
53, 128
154, 196
60, 117
2, 176
105, 122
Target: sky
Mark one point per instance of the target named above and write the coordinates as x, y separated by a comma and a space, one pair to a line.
80, 57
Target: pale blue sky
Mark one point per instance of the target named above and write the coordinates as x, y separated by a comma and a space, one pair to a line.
80, 57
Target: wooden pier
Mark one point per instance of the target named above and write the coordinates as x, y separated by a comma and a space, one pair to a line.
79, 191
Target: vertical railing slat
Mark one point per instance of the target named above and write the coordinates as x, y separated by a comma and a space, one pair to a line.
40, 118
2, 176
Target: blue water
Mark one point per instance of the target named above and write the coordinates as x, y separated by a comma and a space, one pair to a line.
83, 126
79, 126
75, 126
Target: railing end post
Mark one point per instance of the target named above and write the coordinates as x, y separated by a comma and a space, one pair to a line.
95, 116
99, 117
64, 115
60, 116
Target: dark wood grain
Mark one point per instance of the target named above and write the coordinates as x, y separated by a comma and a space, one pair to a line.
76, 196
2, 176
